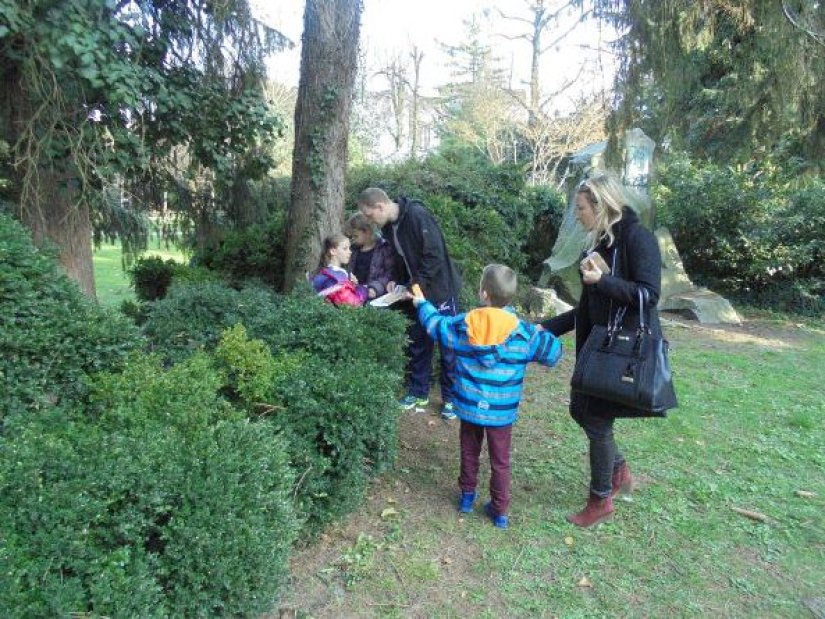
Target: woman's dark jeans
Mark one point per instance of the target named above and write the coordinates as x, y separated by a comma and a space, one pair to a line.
604, 454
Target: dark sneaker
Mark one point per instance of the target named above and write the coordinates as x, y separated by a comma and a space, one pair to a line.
500, 520
410, 401
465, 502
448, 412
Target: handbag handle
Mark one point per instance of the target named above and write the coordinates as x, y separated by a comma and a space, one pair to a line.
614, 322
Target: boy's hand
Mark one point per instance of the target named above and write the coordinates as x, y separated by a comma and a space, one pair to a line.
416, 295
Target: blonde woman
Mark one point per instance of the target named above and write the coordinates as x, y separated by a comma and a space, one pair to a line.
626, 258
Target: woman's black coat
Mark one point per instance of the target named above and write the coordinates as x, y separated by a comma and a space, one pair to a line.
638, 263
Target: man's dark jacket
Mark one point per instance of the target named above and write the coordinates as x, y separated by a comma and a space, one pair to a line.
419, 243
638, 263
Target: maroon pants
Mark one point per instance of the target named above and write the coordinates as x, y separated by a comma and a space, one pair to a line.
499, 440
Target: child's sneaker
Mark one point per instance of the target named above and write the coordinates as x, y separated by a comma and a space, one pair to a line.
410, 401
448, 412
500, 520
465, 502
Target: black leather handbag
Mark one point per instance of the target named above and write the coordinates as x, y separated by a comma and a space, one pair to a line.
628, 367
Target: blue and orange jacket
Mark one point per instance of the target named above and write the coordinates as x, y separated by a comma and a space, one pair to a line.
493, 348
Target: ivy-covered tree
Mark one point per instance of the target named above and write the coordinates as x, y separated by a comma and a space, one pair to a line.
723, 79
131, 95
328, 66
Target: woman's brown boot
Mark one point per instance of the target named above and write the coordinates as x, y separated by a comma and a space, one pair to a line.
622, 480
597, 510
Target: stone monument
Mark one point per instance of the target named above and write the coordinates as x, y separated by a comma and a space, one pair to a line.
561, 269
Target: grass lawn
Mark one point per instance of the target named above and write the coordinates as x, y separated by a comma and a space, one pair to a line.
748, 435
111, 281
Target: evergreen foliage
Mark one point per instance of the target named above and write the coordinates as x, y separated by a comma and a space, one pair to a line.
159, 501
52, 337
722, 79
750, 232
328, 379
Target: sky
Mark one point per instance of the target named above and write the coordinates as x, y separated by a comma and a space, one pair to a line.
390, 27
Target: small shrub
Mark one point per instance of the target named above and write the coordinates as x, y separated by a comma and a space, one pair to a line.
166, 502
151, 277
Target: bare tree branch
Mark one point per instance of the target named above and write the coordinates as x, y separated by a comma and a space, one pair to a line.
795, 20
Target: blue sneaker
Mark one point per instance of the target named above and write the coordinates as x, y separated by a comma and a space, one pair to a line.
410, 401
500, 520
465, 502
448, 412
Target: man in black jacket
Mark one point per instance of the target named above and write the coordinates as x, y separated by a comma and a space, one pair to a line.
419, 244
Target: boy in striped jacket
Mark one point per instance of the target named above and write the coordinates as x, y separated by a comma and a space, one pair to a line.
493, 348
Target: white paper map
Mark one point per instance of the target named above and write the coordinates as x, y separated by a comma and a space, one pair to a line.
398, 293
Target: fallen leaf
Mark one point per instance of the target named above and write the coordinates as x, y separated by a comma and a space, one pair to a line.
389, 512
585, 582
805, 494
569, 540
751, 514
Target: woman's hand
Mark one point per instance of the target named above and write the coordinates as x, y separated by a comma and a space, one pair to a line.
590, 273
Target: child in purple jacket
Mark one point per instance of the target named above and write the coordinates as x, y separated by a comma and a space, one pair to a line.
373, 259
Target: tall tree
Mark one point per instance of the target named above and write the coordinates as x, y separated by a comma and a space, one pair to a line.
395, 72
417, 57
544, 18
100, 92
328, 68
723, 79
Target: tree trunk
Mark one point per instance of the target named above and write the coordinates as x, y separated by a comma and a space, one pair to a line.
322, 112
48, 201
417, 56
63, 220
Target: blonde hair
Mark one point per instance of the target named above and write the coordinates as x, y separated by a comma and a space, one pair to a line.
500, 282
330, 243
360, 222
608, 197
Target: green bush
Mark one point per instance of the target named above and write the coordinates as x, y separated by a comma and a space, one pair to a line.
487, 212
151, 276
165, 502
194, 316
339, 429
51, 336
328, 379
747, 232
256, 253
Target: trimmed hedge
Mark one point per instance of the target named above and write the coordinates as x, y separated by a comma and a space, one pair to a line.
165, 502
328, 379
52, 336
